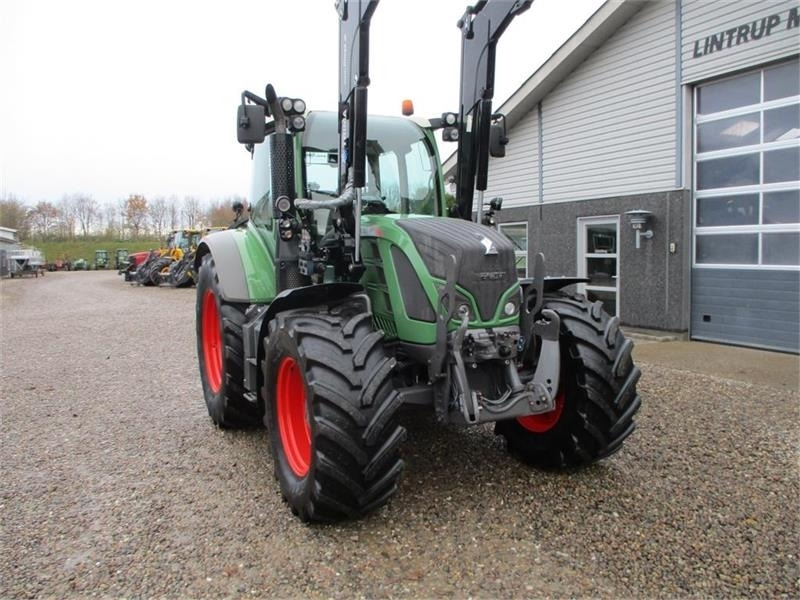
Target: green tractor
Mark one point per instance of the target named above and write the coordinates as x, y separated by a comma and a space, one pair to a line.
351, 291
121, 260
100, 259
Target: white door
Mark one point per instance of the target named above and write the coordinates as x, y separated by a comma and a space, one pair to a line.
598, 260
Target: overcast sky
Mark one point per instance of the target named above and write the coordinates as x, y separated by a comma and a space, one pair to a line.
110, 98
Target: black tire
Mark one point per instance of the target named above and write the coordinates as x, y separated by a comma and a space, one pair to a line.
329, 364
181, 272
220, 352
142, 274
597, 398
157, 267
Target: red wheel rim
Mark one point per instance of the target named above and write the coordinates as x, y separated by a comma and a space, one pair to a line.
292, 417
212, 342
545, 421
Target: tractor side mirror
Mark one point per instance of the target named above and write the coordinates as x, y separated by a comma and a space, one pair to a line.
498, 139
251, 125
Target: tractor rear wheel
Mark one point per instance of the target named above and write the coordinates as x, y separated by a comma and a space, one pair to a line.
597, 398
220, 352
330, 410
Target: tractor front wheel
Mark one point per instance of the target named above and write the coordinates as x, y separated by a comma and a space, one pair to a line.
159, 266
220, 352
330, 410
180, 274
597, 398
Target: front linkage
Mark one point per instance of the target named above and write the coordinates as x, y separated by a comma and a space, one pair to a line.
462, 351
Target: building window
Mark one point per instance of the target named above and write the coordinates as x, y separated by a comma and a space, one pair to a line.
747, 169
598, 260
518, 234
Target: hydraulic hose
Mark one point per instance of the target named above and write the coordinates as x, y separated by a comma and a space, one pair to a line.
347, 197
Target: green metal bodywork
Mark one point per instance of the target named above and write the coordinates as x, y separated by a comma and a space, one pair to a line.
256, 244
391, 315
257, 250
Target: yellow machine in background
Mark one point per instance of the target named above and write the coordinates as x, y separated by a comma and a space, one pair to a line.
173, 263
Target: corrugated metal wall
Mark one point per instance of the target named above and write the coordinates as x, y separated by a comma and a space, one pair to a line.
746, 306
710, 48
515, 177
610, 128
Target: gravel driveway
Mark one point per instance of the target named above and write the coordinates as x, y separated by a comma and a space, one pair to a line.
115, 483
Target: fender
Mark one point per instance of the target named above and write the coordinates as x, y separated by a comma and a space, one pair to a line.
552, 284
254, 331
311, 295
230, 270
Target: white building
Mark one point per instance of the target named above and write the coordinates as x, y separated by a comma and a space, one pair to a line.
688, 109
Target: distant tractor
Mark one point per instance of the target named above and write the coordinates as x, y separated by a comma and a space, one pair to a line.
80, 264
120, 259
154, 267
182, 272
101, 259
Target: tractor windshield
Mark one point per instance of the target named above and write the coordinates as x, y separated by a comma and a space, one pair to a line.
401, 165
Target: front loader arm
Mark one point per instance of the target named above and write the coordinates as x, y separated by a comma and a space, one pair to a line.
481, 28
354, 21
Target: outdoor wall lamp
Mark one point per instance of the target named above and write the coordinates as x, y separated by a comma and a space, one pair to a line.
638, 219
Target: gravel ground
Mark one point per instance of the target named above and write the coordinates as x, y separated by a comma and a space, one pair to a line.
116, 484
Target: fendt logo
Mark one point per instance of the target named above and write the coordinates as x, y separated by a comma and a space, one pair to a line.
488, 245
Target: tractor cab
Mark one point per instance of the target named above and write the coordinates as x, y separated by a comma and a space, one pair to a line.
183, 241
402, 174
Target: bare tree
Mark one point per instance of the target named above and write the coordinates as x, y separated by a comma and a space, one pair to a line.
220, 212
86, 210
136, 213
192, 212
122, 223
110, 214
13, 214
174, 213
158, 215
67, 220
43, 219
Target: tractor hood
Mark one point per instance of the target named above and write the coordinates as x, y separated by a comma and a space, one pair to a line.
485, 259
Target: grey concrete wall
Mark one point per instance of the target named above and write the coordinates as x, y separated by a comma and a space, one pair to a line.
654, 282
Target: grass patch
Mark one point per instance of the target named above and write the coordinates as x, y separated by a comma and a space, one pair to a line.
85, 248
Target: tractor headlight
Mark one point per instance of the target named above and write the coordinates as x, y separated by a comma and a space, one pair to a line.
510, 308
449, 119
298, 123
284, 204
299, 106
286, 104
450, 134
